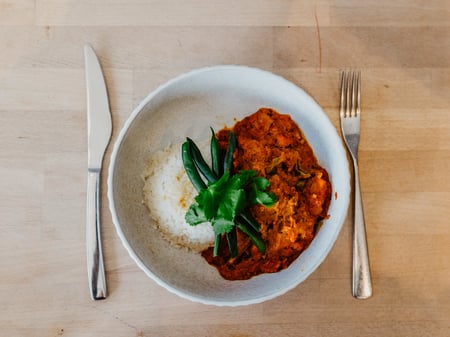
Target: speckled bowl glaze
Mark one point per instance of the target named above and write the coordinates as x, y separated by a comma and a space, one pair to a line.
187, 106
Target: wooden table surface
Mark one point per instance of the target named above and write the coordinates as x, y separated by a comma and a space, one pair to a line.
403, 50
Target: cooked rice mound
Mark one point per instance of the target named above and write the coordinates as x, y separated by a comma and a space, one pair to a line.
168, 193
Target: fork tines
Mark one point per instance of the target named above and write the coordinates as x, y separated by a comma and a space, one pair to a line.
350, 93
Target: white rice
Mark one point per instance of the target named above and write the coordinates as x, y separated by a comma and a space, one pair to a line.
168, 193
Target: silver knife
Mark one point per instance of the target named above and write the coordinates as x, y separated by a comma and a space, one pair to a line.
99, 133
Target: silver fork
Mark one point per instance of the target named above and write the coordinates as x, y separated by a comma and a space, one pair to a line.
350, 115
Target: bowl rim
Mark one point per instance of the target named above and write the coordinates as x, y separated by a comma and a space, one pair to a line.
110, 188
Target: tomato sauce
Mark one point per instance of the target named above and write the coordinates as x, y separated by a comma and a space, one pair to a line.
273, 145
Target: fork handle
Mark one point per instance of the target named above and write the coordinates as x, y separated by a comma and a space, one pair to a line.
362, 283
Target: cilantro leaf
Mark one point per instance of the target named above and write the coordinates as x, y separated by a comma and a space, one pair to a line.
222, 225
261, 183
233, 202
264, 198
195, 215
258, 195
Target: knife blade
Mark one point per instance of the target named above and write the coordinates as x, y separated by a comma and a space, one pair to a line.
99, 128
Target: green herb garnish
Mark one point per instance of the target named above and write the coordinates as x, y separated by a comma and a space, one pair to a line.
225, 198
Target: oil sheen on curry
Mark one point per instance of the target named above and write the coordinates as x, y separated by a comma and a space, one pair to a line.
273, 145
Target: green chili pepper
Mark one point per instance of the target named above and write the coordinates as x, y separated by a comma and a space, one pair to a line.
200, 162
191, 169
228, 161
248, 218
232, 242
217, 244
215, 154
254, 236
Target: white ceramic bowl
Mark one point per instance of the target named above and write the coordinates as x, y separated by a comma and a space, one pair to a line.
187, 106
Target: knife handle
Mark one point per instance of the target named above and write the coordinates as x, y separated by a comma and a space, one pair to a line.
96, 269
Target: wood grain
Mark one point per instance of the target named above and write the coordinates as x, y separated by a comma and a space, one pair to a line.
403, 50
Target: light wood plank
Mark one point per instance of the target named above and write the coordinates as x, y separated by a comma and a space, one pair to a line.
181, 13
238, 13
167, 48
418, 213
372, 47
392, 14
405, 171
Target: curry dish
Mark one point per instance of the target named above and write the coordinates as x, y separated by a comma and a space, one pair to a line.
273, 145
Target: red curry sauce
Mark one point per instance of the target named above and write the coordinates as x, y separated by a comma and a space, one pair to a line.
273, 145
